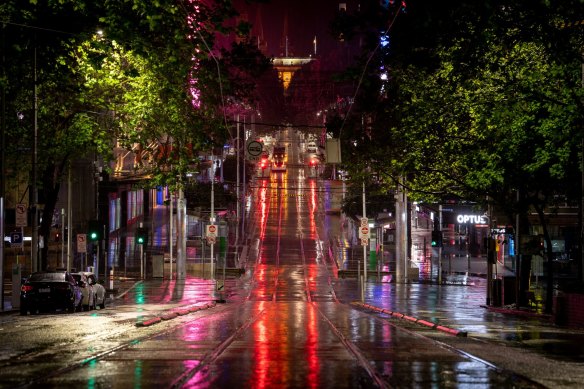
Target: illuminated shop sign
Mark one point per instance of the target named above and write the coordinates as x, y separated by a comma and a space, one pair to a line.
472, 219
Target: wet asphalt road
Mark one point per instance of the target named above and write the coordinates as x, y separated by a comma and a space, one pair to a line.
287, 322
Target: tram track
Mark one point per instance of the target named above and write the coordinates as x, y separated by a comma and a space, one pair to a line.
82, 362
259, 328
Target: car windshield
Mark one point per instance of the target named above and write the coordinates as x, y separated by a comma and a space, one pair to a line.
47, 277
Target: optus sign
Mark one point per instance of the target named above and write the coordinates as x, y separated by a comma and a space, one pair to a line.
471, 219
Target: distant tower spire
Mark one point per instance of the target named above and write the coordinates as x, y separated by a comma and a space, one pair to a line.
285, 47
314, 42
258, 29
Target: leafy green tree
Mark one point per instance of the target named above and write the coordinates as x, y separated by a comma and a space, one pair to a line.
483, 101
149, 81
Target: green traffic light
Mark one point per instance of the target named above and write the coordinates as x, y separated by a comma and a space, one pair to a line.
93, 236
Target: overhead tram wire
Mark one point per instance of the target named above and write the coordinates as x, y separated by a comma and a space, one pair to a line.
365, 69
279, 125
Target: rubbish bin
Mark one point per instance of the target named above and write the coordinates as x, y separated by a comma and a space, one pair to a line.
497, 295
157, 266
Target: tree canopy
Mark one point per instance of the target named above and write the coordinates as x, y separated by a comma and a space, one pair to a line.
138, 75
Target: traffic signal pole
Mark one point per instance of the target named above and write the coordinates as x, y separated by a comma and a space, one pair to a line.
440, 245
365, 245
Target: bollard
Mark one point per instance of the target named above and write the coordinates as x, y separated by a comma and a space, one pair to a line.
362, 289
378, 272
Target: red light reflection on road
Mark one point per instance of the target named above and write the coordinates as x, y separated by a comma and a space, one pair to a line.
260, 377
312, 227
312, 347
264, 210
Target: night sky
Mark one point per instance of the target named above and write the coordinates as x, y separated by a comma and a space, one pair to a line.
306, 19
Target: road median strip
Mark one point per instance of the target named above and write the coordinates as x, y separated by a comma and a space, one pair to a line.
412, 319
176, 312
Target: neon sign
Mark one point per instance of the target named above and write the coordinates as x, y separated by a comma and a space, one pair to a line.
472, 219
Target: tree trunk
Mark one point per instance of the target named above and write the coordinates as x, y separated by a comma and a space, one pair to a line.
549, 298
51, 188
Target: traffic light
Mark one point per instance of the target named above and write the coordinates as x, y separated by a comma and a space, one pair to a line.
95, 230
436, 238
141, 236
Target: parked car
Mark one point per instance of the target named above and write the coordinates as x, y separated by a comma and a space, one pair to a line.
50, 290
87, 290
98, 289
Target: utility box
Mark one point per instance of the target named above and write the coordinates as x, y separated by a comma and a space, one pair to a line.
509, 293
157, 266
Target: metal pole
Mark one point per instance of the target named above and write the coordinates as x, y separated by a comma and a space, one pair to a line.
180, 237
581, 276
35, 236
2, 167
364, 246
517, 254
489, 266
104, 251
62, 237
69, 219
212, 218
2, 240
237, 188
404, 232
243, 218
440, 246
170, 229
97, 262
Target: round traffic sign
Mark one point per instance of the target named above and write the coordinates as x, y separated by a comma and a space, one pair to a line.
212, 228
255, 148
364, 230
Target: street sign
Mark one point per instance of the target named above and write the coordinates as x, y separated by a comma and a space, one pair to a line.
211, 239
16, 239
21, 219
364, 232
364, 241
212, 231
254, 150
81, 243
364, 222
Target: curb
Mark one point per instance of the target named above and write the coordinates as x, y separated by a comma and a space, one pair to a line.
412, 319
519, 312
176, 312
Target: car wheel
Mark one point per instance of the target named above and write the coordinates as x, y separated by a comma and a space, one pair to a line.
102, 305
86, 307
23, 311
71, 308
